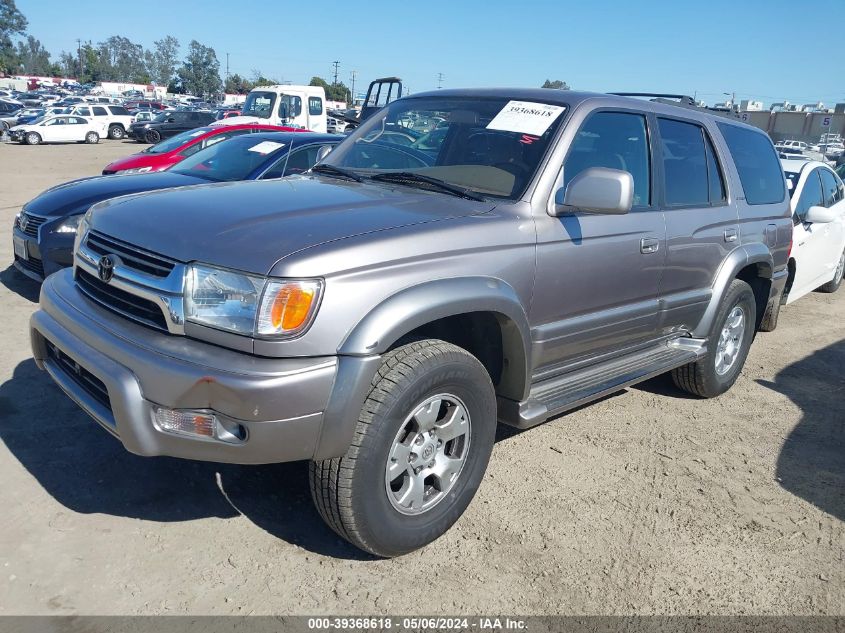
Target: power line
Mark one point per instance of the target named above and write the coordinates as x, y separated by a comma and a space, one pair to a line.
352, 93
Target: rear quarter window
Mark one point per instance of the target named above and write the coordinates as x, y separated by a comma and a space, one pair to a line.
757, 164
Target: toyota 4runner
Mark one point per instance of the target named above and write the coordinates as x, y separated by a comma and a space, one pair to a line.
533, 251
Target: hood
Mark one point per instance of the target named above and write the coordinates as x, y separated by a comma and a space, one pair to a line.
249, 226
77, 195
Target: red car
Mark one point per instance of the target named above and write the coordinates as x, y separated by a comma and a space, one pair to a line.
170, 151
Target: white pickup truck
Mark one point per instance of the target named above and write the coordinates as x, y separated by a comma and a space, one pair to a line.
291, 106
115, 118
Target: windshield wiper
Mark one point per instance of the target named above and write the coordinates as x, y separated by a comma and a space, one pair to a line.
410, 178
331, 170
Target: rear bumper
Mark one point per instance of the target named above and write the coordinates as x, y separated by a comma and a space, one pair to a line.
118, 372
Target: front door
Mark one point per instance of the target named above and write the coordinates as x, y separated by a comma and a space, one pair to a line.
596, 289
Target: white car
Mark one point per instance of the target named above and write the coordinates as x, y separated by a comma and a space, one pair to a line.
817, 199
116, 119
63, 128
791, 147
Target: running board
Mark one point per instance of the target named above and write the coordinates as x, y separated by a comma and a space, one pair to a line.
561, 393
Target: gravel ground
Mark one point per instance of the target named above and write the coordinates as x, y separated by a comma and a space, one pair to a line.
648, 502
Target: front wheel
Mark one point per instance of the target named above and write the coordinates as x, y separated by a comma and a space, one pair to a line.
833, 284
92, 138
32, 138
420, 450
727, 346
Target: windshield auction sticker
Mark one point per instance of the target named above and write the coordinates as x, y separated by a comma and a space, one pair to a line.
525, 117
266, 147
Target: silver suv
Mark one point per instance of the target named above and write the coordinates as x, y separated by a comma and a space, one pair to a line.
532, 251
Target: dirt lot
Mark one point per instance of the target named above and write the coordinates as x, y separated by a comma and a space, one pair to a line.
646, 502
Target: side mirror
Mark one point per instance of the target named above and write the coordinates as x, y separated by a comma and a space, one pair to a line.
819, 215
597, 190
324, 151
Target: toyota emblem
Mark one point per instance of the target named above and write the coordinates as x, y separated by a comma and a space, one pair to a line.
105, 268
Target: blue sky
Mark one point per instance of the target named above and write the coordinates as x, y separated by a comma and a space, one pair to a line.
760, 49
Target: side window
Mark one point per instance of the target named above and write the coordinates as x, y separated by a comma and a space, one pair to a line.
315, 105
83, 111
830, 188
715, 179
757, 163
100, 111
293, 104
119, 110
684, 163
811, 196
617, 140
191, 149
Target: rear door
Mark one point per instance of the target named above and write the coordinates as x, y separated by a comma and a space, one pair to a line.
701, 227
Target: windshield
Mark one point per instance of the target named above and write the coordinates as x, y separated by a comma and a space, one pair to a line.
234, 159
491, 146
175, 142
259, 104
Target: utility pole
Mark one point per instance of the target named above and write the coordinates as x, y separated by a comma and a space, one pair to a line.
335, 64
439, 80
79, 54
227, 66
354, 72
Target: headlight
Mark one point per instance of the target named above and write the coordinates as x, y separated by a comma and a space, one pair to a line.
134, 170
17, 221
81, 230
70, 224
247, 304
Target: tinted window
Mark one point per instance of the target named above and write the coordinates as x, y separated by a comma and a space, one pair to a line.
83, 111
315, 105
757, 163
119, 110
830, 188
617, 140
98, 111
811, 195
684, 163
716, 181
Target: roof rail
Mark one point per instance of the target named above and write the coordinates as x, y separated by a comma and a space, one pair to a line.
684, 99
681, 101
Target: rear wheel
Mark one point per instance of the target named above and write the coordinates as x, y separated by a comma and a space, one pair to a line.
116, 132
32, 138
833, 284
727, 346
92, 138
421, 447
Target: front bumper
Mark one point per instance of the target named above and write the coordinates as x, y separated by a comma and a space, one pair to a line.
118, 371
46, 253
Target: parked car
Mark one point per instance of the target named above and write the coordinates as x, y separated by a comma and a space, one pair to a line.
335, 126
834, 150
167, 153
144, 105
60, 128
378, 315
144, 116
168, 124
791, 147
8, 115
44, 231
114, 118
817, 200
227, 113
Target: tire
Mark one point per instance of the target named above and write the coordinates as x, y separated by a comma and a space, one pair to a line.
703, 377
356, 496
116, 132
92, 138
4, 126
152, 136
32, 138
833, 284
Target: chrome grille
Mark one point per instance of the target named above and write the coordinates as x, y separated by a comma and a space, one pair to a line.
138, 259
121, 302
31, 223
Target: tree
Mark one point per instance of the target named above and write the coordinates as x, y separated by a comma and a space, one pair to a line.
122, 60
334, 92
557, 84
200, 72
33, 57
163, 61
12, 22
237, 85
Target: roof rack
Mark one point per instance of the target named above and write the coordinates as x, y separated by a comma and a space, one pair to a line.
681, 101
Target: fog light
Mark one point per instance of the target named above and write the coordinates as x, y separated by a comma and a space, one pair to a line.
198, 424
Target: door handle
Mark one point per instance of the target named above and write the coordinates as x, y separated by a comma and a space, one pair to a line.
730, 235
649, 245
